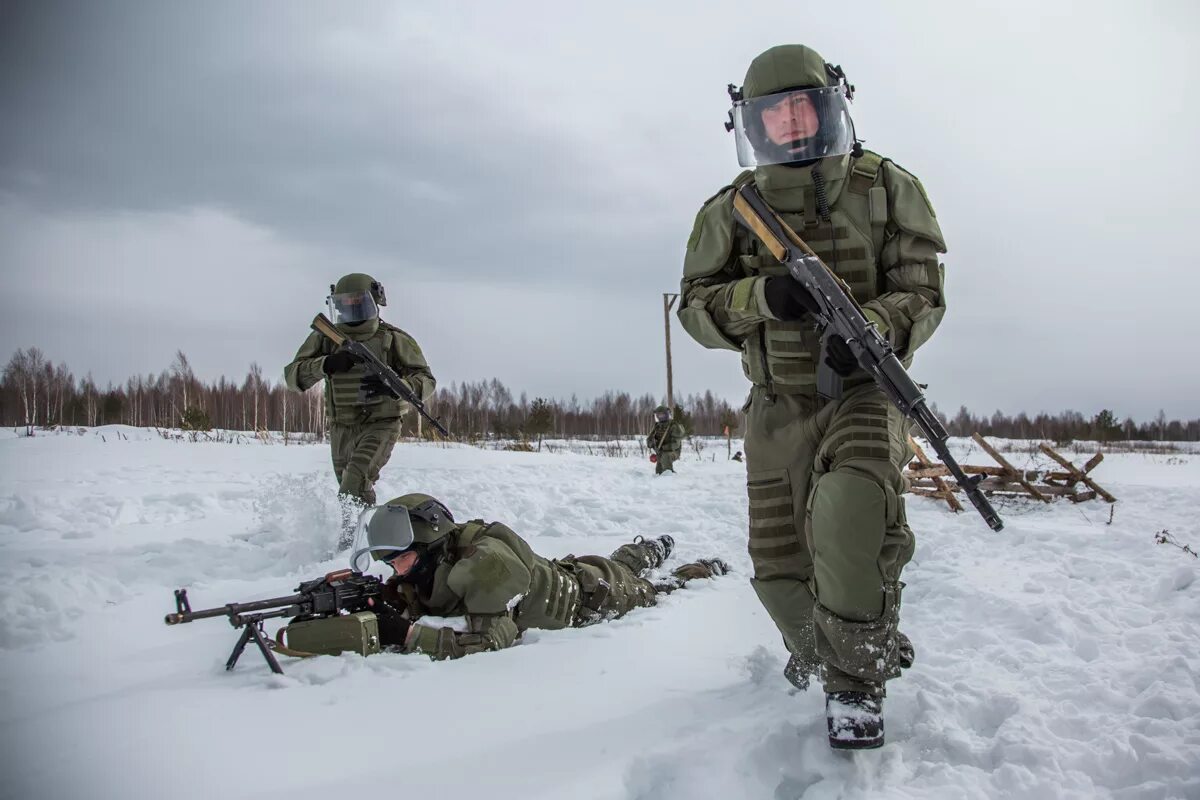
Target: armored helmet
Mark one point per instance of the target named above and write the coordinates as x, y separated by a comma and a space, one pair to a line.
792, 107
409, 521
662, 414
355, 298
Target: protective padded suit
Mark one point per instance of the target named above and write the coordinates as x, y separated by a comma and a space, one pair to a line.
362, 430
828, 533
492, 577
665, 440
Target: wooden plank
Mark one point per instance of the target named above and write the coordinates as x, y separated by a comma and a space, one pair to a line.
1075, 473
941, 471
1017, 475
1092, 462
1082, 496
946, 492
927, 488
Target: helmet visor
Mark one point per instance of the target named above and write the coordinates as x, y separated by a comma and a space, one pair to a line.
352, 307
796, 125
383, 533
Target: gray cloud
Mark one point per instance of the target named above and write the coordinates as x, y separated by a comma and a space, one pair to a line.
526, 175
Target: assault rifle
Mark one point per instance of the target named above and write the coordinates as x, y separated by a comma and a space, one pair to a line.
840, 315
341, 591
375, 366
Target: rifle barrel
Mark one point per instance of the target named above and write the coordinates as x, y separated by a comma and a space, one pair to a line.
232, 610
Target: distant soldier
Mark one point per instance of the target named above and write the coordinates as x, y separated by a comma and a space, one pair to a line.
490, 576
665, 441
364, 416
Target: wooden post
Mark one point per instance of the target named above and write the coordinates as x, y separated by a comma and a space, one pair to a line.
669, 301
943, 491
1078, 476
1017, 475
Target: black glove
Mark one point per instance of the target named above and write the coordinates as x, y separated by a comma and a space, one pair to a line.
393, 628
839, 357
339, 361
389, 614
787, 299
373, 386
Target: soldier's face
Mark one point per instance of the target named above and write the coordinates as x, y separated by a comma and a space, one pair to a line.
404, 563
791, 119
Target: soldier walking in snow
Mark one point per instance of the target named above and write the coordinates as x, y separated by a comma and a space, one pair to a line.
665, 441
364, 415
491, 576
828, 532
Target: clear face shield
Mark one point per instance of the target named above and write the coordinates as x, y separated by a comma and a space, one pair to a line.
383, 533
662, 416
352, 307
793, 126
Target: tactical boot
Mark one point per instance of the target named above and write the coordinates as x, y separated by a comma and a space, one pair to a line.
668, 544
657, 550
855, 720
703, 568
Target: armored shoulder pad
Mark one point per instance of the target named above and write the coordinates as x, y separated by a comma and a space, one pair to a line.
909, 206
389, 327
489, 578
711, 243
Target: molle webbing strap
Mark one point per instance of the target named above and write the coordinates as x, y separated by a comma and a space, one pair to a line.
279, 647
469, 533
863, 173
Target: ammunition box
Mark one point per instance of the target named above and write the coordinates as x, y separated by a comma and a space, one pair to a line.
354, 633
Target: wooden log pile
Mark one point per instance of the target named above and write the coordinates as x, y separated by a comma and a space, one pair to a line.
930, 479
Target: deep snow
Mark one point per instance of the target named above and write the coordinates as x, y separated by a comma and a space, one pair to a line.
1058, 658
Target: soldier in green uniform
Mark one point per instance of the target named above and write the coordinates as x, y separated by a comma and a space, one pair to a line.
487, 574
828, 533
364, 416
665, 440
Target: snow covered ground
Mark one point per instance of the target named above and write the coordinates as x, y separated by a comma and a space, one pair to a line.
1059, 658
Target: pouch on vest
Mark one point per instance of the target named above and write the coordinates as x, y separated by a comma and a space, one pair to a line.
593, 589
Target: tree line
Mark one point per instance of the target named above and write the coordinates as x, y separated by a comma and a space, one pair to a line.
35, 392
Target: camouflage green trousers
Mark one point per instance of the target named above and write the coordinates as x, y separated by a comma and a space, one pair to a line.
828, 532
666, 461
612, 587
359, 453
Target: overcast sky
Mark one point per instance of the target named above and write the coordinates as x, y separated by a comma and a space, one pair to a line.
523, 178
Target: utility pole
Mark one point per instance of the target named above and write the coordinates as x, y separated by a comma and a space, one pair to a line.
668, 302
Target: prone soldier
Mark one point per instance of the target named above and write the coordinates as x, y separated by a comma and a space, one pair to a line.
489, 575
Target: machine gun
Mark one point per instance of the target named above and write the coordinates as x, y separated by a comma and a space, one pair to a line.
840, 315
344, 591
375, 366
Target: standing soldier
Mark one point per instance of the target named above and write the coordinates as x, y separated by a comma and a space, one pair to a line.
828, 533
665, 441
488, 574
364, 416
